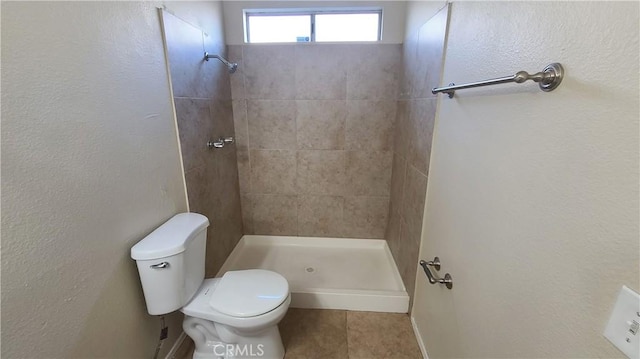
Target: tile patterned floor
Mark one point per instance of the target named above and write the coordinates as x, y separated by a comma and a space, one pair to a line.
340, 334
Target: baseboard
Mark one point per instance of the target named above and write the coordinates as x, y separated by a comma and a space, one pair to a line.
416, 332
176, 346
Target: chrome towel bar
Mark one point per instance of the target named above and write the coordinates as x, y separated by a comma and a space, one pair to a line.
548, 79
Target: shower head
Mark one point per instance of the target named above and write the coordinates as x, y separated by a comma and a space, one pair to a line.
231, 65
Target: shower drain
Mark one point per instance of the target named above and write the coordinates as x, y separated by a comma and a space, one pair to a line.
310, 269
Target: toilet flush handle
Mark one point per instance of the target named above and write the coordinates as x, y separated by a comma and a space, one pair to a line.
162, 265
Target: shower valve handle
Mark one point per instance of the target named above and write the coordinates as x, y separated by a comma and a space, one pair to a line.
220, 142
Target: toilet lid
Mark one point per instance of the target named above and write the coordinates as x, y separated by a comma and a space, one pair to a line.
248, 293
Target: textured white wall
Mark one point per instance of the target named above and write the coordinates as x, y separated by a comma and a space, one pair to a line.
419, 12
532, 202
205, 15
393, 15
90, 165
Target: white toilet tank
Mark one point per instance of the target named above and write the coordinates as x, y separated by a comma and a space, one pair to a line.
171, 262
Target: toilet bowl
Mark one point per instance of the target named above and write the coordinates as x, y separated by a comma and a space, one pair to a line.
245, 315
235, 316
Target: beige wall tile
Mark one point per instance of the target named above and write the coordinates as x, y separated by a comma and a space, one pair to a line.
422, 63
225, 190
241, 130
275, 214
321, 71
273, 172
222, 208
247, 213
244, 170
370, 124
190, 74
365, 217
320, 124
321, 172
392, 234
240, 124
194, 128
212, 251
204, 112
198, 190
401, 131
214, 195
408, 251
410, 64
272, 124
395, 227
421, 122
235, 54
415, 190
369, 173
269, 71
320, 216
222, 118
422, 58
398, 173
237, 79
373, 71
220, 243
217, 78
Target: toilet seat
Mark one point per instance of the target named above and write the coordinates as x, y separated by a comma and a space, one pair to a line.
249, 293
200, 307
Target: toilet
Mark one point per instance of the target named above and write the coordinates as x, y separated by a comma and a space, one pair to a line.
235, 316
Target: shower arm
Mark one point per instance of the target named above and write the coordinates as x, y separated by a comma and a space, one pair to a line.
231, 65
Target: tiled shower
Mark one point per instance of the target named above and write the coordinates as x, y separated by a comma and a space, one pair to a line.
202, 99
314, 124
331, 140
423, 53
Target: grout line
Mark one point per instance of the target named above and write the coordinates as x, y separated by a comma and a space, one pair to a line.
246, 118
346, 329
297, 215
417, 170
404, 186
194, 98
296, 52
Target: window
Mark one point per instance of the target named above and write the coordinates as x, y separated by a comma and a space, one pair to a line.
335, 25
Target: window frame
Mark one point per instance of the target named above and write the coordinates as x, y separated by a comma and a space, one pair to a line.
248, 13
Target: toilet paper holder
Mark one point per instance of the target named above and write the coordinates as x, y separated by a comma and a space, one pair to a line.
435, 263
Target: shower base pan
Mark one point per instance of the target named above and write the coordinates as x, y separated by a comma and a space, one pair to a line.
327, 273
